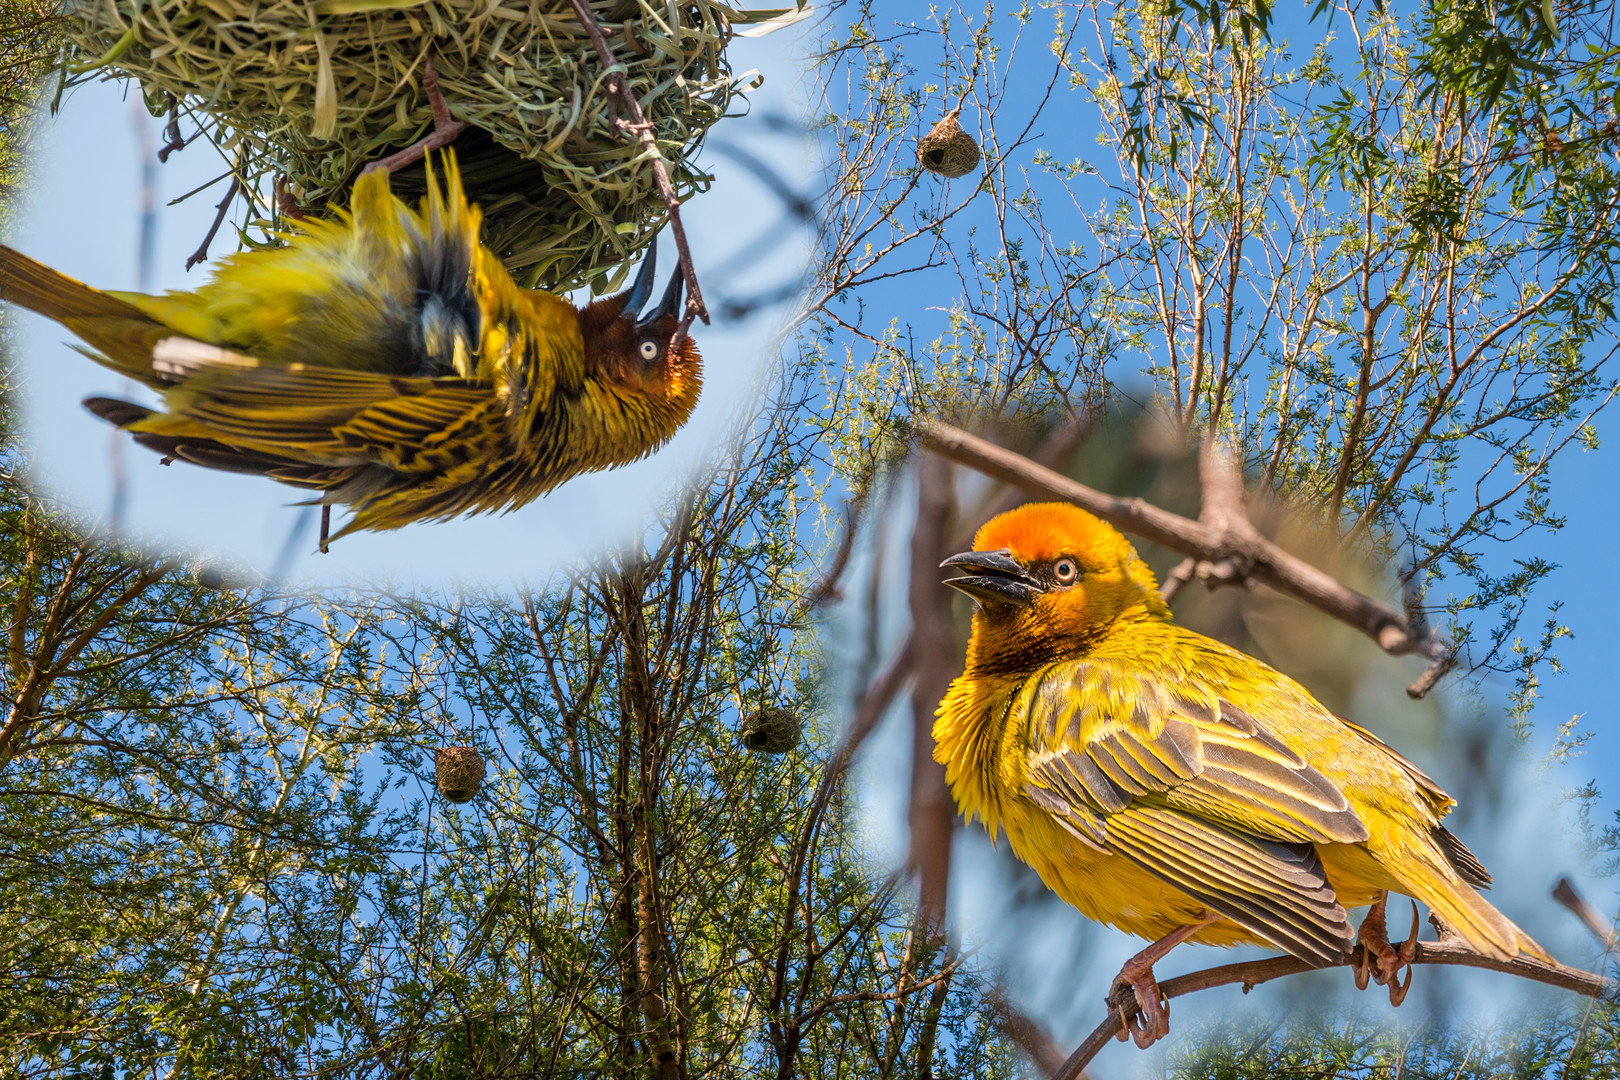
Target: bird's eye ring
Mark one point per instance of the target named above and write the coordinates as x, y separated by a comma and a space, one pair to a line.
1065, 571
649, 349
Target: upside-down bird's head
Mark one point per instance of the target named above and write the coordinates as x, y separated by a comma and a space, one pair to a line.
631, 351
1050, 579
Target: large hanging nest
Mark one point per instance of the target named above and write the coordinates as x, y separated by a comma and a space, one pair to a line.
459, 772
313, 90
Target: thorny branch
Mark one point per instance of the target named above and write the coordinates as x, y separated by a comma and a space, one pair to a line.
1224, 544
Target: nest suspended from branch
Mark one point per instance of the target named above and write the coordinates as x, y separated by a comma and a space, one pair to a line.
314, 90
459, 772
771, 731
948, 149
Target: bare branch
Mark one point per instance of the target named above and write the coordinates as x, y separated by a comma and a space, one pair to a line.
1254, 972
1564, 892
638, 126
932, 813
1268, 563
1031, 1038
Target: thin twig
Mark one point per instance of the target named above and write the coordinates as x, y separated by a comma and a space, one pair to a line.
1431, 675
638, 126
1564, 892
219, 219
1179, 576
173, 140
1268, 563
827, 588
1254, 972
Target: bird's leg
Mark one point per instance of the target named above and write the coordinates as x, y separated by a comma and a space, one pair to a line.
444, 128
1380, 960
1151, 1018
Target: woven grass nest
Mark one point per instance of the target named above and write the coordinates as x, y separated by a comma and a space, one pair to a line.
459, 772
948, 149
314, 90
771, 731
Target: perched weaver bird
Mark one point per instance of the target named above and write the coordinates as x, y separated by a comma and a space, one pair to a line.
386, 360
1173, 787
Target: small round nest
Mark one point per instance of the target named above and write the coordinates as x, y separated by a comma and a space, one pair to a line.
771, 731
459, 771
947, 149
314, 90
211, 574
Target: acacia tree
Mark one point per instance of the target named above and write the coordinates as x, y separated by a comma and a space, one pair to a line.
226, 853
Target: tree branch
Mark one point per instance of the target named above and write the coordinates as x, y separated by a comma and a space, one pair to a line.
931, 817
1564, 892
1200, 540
1254, 972
1031, 1038
638, 126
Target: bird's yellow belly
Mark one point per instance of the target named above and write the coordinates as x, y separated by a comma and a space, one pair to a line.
1356, 875
1110, 888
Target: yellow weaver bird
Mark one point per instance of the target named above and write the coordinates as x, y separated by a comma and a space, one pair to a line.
386, 360
1173, 787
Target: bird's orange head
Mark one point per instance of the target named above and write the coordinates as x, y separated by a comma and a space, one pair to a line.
632, 351
1050, 580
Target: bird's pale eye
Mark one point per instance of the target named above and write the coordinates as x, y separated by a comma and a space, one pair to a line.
649, 349
1065, 571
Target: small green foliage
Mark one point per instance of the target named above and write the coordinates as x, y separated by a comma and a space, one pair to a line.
1574, 1041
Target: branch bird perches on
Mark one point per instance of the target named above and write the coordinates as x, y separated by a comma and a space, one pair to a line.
1254, 972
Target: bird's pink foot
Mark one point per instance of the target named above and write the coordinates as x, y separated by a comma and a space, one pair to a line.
1381, 962
1148, 1019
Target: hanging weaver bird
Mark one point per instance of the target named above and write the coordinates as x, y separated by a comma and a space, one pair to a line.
386, 360
1173, 787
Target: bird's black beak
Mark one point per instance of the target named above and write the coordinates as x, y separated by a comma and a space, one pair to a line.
642, 289
999, 580
669, 305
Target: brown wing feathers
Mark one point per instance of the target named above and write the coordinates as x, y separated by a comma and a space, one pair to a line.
1277, 890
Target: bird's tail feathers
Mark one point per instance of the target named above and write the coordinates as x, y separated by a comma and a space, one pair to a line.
438, 246
1435, 881
119, 333
37, 287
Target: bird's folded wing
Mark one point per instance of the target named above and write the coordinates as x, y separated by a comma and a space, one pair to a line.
410, 424
1195, 791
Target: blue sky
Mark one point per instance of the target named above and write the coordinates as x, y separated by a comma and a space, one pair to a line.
81, 217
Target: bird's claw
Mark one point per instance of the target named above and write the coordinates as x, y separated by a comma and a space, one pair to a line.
1381, 962
445, 127
1145, 1014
